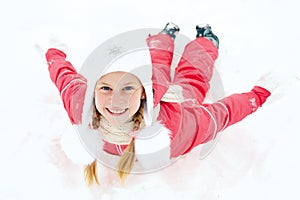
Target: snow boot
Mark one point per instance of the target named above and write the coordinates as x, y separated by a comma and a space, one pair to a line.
204, 30
171, 29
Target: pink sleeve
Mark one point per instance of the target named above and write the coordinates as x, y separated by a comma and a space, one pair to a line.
71, 85
236, 107
192, 125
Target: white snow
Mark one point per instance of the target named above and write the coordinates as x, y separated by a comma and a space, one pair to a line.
254, 159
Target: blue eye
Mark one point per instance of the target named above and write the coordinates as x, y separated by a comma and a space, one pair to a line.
128, 88
106, 88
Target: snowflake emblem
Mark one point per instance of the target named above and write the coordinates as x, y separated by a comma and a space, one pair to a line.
253, 104
115, 50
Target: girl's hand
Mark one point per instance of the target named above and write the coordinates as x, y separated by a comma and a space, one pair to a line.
268, 82
273, 80
53, 42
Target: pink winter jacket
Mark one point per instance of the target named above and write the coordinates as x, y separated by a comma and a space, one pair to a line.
191, 121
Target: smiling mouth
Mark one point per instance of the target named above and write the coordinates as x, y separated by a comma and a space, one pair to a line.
116, 112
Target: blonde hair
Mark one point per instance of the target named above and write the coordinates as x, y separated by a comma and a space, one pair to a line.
127, 159
90, 173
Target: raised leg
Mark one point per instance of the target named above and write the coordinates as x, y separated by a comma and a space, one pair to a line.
195, 68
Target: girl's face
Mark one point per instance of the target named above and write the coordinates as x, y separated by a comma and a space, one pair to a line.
118, 96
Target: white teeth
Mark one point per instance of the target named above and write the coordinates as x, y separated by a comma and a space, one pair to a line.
117, 111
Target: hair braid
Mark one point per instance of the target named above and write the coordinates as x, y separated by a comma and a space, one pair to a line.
128, 158
138, 117
96, 118
90, 173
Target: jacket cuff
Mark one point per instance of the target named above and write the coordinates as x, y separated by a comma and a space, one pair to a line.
53, 54
262, 93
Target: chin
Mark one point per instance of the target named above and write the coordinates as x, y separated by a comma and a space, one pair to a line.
118, 122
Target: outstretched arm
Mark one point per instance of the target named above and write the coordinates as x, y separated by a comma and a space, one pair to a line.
236, 107
71, 85
192, 124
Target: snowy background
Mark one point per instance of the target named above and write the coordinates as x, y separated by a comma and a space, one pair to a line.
254, 159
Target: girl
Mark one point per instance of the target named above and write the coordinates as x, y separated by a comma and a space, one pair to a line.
133, 116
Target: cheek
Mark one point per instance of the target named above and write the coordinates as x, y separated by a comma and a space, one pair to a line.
99, 102
134, 102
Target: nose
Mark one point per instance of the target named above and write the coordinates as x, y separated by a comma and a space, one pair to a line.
117, 99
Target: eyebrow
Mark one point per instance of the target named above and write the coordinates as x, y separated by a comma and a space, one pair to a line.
128, 83
131, 83
103, 83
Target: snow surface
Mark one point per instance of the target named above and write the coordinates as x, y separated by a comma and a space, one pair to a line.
254, 159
